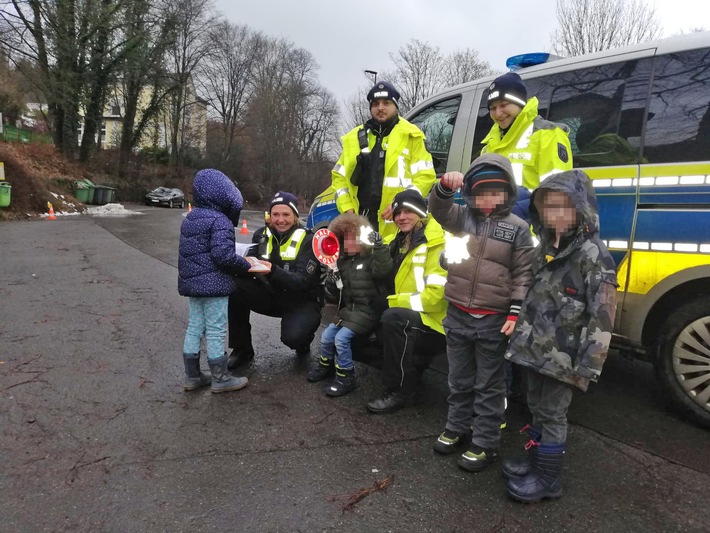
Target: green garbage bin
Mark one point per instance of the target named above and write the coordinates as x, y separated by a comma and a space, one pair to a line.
81, 191
5, 193
90, 190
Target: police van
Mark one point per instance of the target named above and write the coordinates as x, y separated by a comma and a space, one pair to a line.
639, 120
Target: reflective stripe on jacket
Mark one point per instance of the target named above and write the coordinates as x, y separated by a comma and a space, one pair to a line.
408, 165
420, 279
289, 249
537, 148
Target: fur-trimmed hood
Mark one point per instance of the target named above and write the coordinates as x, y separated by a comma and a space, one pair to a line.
348, 222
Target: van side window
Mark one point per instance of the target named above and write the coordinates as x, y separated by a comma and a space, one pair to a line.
603, 108
484, 123
678, 127
437, 122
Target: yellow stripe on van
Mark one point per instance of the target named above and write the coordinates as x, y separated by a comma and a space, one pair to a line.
649, 268
648, 170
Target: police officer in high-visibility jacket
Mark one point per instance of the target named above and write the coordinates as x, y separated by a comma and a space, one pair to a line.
291, 291
537, 148
380, 158
411, 328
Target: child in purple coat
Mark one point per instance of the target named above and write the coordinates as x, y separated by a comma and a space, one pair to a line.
207, 265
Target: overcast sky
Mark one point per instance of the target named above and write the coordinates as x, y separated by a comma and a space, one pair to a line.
347, 37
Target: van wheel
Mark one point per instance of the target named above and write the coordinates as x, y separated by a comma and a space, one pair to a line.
684, 359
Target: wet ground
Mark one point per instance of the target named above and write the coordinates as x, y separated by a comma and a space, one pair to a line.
97, 434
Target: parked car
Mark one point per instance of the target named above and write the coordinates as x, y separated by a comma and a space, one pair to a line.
165, 196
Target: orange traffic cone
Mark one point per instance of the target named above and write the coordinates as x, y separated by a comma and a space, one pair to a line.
51, 215
244, 227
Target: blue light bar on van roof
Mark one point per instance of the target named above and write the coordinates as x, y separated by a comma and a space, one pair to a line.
529, 60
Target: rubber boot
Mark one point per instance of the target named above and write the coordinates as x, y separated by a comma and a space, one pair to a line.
343, 383
322, 369
222, 380
194, 378
520, 466
545, 477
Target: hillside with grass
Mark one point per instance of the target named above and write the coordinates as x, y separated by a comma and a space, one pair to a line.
38, 174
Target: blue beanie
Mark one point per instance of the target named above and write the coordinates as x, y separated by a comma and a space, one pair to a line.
508, 87
383, 89
285, 198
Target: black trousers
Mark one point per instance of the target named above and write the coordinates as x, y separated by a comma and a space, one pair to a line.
300, 318
408, 347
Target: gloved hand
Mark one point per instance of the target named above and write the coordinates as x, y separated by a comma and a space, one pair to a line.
375, 238
333, 276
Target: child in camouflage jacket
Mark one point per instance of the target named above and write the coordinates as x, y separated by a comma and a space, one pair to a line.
565, 325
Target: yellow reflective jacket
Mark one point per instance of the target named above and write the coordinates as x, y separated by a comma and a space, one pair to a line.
420, 279
408, 164
537, 148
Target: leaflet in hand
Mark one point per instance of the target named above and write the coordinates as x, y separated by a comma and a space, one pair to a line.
257, 266
242, 249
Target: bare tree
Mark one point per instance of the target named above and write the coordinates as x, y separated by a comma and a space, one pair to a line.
77, 46
356, 108
289, 121
142, 85
587, 26
194, 20
463, 66
419, 72
227, 77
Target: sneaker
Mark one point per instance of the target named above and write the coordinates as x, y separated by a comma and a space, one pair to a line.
449, 441
392, 401
476, 458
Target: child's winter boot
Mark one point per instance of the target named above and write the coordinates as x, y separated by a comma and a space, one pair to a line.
222, 380
194, 378
520, 466
545, 477
477, 459
321, 370
343, 383
451, 441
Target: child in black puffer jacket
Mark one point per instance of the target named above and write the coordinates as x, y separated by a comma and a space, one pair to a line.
207, 265
360, 301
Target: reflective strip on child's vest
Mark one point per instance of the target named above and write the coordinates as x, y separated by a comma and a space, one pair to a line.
418, 262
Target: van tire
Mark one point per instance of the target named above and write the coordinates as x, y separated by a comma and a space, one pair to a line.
688, 323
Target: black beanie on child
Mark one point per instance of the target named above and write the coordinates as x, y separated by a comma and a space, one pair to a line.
409, 199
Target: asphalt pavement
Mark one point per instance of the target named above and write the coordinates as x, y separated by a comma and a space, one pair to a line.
98, 435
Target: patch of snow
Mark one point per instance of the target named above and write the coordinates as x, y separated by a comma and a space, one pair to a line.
110, 210
62, 214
